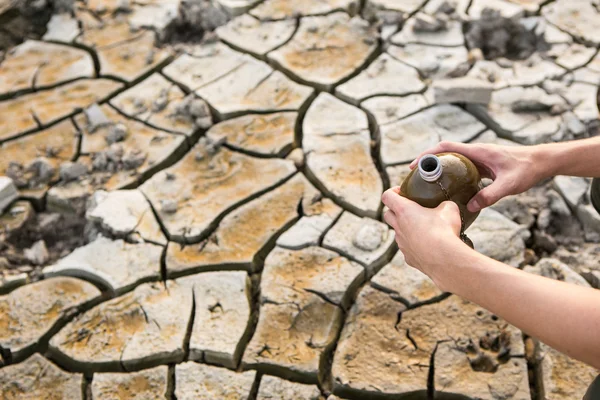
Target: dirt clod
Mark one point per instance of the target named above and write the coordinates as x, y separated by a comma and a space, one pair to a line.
498, 36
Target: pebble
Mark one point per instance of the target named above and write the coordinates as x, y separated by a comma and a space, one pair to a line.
71, 171
8, 192
116, 133
428, 23
369, 237
38, 253
168, 206
95, 117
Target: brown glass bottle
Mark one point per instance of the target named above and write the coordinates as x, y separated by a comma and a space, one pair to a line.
596, 194
442, 177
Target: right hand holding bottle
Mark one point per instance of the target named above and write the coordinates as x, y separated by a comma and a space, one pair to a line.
513, 169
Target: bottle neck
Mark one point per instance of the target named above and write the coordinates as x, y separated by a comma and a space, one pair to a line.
430, 168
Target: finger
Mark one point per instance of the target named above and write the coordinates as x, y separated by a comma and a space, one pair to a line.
442, 147
392, 199
487, 196
390, 218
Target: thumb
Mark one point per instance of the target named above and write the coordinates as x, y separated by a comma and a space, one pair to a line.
486, 197
450, 212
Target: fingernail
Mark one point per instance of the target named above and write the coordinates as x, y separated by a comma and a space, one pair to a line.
473, 206
412, 164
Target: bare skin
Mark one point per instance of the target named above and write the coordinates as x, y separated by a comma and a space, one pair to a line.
564, 316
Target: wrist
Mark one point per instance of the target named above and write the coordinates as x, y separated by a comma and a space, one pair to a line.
544, 161
450, 265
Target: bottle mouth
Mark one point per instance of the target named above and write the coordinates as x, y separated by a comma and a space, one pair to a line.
430, 168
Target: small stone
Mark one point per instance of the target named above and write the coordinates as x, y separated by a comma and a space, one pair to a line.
71, 171
42, 170
8, 193
462, 90
115, 152
160, 103
61, 28
544, 242
363, 239
198, 108
205, 382
590, 219
450, 35
38, 378
123, 5
38, 253
428, 23
168, 206
368, 238
544, 218
116, 133
95, 118
133, 159
100, 161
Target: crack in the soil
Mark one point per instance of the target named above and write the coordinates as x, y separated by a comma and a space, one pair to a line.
190, 330
86, 387
171, 383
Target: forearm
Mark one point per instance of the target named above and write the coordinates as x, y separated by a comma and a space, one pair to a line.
564, 316
574, 158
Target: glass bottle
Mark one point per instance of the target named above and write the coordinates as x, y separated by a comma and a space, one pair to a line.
596, 194
443, 177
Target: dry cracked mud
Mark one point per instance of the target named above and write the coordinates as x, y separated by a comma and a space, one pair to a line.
197, 211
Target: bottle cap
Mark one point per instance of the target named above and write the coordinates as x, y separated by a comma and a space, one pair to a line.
430, 168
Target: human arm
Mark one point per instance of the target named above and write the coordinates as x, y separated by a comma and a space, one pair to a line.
564, 316
515, 169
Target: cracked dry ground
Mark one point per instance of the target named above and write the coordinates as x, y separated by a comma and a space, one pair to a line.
202, 219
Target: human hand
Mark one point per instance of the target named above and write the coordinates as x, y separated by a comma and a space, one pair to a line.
428, 237
513, 169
